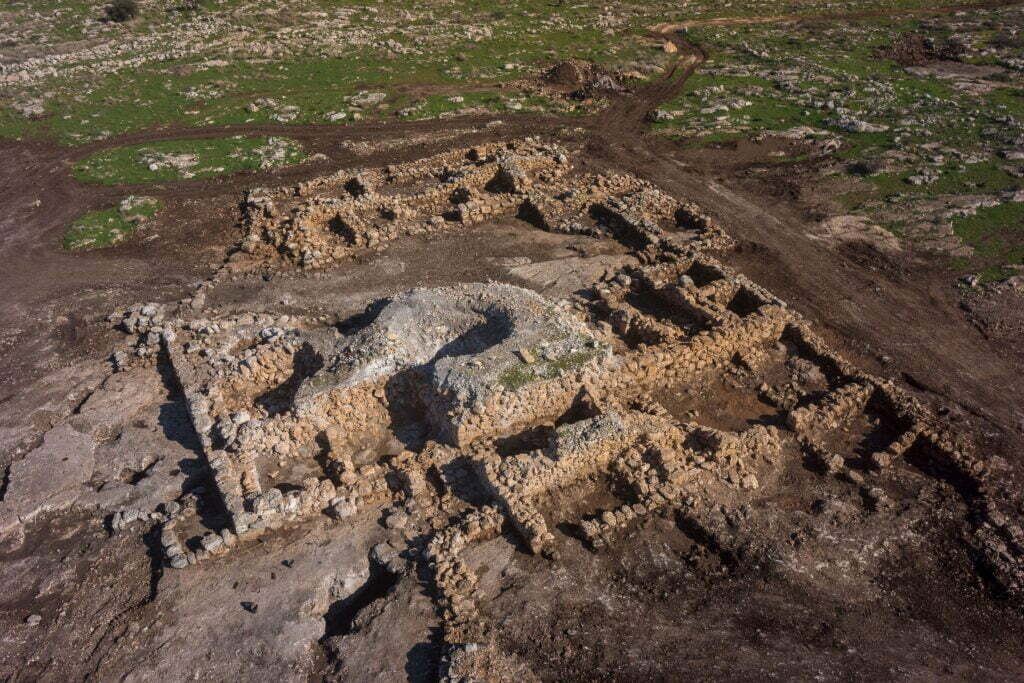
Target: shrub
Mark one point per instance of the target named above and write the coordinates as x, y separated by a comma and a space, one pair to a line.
866, 167
953, 49
189, 7
909, 49
1008, 40
122, 10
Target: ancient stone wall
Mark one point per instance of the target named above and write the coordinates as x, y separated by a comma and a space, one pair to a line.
269, 397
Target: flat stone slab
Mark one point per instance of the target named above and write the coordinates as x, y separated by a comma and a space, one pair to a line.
49, 478
114, 404
564, 277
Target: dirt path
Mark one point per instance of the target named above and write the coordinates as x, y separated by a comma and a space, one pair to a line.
625, 118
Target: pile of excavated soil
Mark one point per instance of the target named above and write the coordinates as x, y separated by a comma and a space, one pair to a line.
582, 78
914, 49
570, 74
909, 49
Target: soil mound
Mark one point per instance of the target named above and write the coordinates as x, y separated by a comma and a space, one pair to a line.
913, 49
583, 79
569, 74
909, 49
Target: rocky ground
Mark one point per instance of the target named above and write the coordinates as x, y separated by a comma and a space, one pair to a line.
781, 546
906, 125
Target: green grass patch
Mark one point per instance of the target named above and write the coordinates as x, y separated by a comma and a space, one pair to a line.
995, 274
983, 178
174, 160
996, 233
107, 227
517, 377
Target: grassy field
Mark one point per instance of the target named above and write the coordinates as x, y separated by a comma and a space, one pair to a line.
928, 143
997, 236
175, 160
107, 227
917, 139
307, 61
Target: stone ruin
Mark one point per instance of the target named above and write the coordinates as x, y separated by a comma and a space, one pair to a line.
335, 217
488, 403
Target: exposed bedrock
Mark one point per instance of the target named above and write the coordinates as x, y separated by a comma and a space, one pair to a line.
470, 348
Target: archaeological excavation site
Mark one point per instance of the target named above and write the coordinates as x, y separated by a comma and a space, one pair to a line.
550, 365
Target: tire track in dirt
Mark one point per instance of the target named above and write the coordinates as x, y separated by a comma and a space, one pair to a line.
625, 117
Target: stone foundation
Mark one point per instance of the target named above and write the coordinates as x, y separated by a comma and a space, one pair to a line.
298, 420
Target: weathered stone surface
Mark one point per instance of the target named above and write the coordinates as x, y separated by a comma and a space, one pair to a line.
116, 401
564, 277
142, 468
49, 478
464, 343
